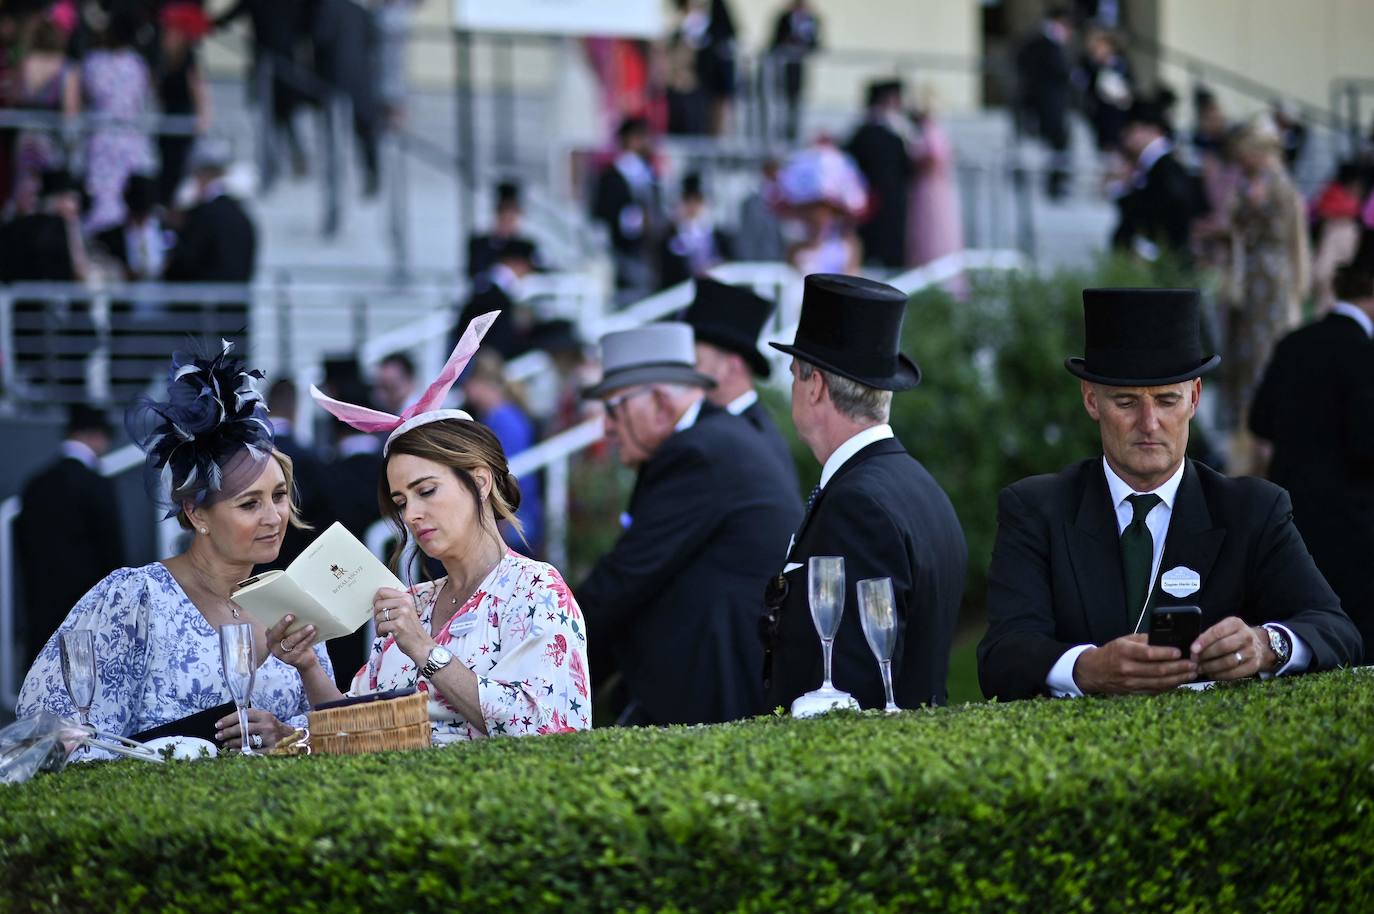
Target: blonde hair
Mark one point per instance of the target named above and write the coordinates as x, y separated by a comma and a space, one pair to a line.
461, 445
288, 472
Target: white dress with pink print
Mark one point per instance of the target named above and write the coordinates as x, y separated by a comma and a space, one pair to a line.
522, 635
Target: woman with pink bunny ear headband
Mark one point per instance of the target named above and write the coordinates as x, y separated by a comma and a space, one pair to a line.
510, 621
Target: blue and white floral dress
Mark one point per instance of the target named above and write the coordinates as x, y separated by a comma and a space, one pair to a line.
157, 659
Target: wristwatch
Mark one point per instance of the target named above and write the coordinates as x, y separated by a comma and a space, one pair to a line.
1279, 644
439, 657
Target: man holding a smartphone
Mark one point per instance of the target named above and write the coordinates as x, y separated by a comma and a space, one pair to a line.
1085, 557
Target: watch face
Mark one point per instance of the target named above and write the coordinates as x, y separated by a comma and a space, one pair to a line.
440, 655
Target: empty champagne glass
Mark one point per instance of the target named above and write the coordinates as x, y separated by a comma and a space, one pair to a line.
825, 594
238, 653
878, 615
77, 648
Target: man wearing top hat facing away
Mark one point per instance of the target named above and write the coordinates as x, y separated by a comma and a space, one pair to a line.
676, 600
1083, 556
727, 321
875, 505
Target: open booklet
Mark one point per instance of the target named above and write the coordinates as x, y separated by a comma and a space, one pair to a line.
330, 586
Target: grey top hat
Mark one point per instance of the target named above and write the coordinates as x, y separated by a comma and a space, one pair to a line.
655, 354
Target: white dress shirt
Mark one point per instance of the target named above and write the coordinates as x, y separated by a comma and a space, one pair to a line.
1355, 314
737, 406
81, 453
688, 417
851, 447
1060, 680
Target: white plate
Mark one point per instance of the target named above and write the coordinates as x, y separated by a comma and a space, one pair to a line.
184, 747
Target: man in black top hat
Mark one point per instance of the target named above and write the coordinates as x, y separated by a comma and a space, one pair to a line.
727, 321
627, 201
1083, 556
1159, 204
880, 151
1044, 71
1315, 404
693, 244
69, 531
485, 250
875, 505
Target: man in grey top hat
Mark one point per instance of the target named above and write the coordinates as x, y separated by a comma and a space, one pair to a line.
674, 604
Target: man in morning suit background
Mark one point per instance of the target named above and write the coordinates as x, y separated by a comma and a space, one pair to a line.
676, 600
1082, 555
1315, 405
69, 533
876, 505
727, 321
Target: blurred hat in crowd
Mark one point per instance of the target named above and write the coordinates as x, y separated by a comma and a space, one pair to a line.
507, 194
1147, 112
823, 174
518, 249
84, 418
186, 18
692, 187
555, 336
880, 90
634, 124
140, 193
58, 181
1141, 338
663, 353
730, 317
210, 153
852, 327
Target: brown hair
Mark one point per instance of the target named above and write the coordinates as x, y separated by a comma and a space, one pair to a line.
288, 472
462, 446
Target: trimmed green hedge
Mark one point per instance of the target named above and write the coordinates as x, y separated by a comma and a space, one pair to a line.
1256, 797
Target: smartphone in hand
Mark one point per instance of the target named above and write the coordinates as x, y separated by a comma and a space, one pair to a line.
1175, 626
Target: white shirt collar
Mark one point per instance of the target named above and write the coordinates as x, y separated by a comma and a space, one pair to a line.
1167, 491
689, 416
1356, 315
1158, 148
504, 278
745, 400
851, 447
80, 451
357, 444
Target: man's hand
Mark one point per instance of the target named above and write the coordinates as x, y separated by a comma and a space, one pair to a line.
1129, 665
1233, 650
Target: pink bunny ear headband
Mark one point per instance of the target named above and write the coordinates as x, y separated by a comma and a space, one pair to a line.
425, 409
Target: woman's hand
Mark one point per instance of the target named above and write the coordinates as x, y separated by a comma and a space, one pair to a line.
294, 648
395, 614
263, 724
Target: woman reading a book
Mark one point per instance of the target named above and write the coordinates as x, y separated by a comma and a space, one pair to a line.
498, 643
211, 464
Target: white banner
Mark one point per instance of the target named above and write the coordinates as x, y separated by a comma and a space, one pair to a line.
638, 18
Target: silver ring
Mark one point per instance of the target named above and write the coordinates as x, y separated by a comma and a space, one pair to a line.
256, 740
284, 648
386, 614
1240, 658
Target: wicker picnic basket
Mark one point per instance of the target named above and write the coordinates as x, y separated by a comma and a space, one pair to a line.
376, 726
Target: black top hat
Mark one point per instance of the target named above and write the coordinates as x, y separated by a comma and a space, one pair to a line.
731, 317
880, 90
853, 327
58, 181
1141, 338
691, 186
517, 249
630, 125
554, 336
507, 194
1150, 113
83, 418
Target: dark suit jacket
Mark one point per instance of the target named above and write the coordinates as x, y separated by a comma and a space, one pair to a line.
889, 518
1045, 80
1316, 404
677, 599
1055, 580
776, 445
69, 538
612, 195
307, 471
505, 335
34, 248
1162, 210
883, 158
217, 243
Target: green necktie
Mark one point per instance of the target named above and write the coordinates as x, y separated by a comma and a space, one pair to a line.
1137, 556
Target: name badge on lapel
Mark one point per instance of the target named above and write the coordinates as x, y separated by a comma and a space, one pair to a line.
1180, 581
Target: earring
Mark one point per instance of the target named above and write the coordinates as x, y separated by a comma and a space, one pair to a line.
204, 530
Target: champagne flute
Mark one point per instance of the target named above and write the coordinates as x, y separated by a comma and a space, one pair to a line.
878, 615
825, 594
77, 647
238, 653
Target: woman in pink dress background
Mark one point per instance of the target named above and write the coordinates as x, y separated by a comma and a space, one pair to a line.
934, 220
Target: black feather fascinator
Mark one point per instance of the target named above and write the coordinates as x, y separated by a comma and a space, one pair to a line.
210, 439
